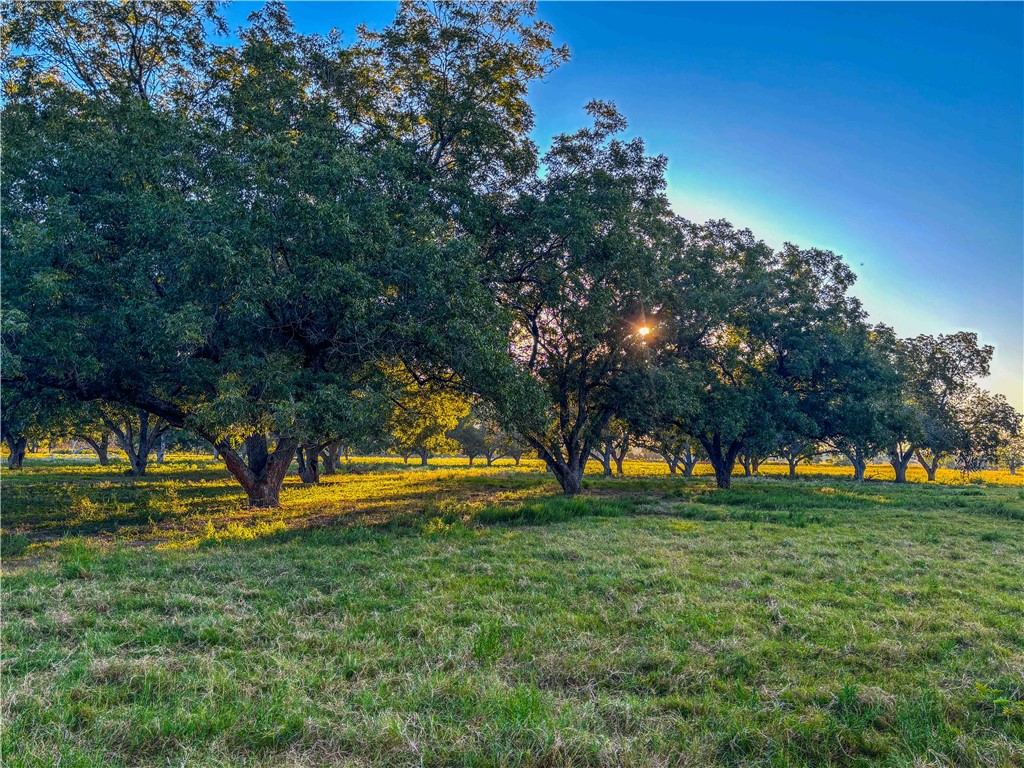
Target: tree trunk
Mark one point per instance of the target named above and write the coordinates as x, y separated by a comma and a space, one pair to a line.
930, 467
689, 462
745, 463
308, 459
490, 458
424, 455
519, 457
605, 457
722, 459
137, 465
567, 466
1013, 468
17, 445
672, 465
792, 466
572, 483
470, 460
331, 455
137, 447
899, 466
262, 473
859, 467
620, 454
101, 446
312, 464
723, 474
900, 459
161, 449
103, 452
569, 477
755, 465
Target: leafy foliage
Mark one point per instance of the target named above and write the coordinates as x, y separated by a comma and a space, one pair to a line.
423, 416
275, 243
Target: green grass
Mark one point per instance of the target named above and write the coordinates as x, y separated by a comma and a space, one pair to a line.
476, 619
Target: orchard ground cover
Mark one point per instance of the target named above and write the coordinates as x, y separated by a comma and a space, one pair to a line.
454, 616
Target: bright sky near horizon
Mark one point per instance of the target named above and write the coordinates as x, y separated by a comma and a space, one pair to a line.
891, 133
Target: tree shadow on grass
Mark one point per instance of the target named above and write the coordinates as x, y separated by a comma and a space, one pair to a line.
179, 504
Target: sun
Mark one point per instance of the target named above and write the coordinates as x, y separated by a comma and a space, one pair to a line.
643, 330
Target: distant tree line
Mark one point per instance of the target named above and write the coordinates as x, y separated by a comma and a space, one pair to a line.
295, 243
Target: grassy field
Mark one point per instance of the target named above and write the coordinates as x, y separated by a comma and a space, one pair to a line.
399, 616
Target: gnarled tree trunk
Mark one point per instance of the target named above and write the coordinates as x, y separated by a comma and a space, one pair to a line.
262, 472
859, 461
137, 446
567, 462
308, 459
17, 444
931, 467
604, 456
900, 458
723, 457
101, 445
689, 461
331, 454
620, 453
569, 476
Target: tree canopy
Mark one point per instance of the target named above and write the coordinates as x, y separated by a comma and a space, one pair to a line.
290, 242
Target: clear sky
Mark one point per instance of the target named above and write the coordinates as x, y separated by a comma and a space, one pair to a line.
890, 133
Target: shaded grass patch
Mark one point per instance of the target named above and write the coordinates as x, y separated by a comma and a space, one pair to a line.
559, 509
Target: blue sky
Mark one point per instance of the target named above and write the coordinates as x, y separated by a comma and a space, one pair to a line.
890, 133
